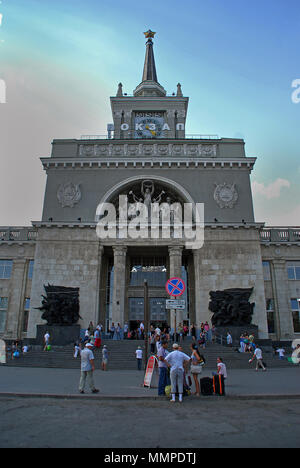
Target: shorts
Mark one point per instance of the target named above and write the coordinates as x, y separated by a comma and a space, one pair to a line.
104, 361
196, 369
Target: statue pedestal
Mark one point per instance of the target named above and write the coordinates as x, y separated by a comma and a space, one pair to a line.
237, 331
60, 335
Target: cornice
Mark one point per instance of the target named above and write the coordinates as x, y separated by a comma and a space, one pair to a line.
144, 162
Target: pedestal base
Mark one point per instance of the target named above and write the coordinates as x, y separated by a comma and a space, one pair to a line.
59, 335
237, 331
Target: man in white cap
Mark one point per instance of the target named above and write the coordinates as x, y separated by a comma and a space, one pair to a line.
176, 360
87, 369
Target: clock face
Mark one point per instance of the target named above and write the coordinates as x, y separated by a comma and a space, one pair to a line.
148, 125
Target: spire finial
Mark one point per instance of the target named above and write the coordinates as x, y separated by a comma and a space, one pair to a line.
149, 34
149, 73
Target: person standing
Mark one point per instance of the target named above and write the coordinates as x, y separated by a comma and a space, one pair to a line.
112, 331
164, 379
176, 361
126, 331
77, 350
46, 341
196, 366
259, 359
139, 357
104, 358
87, 369
281, 353
97, 337
118, 332
91, 329
229, 339
193, 331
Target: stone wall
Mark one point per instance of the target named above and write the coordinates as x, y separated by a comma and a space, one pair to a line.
230, 258
67, 257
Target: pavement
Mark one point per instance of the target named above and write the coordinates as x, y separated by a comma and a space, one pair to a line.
128, 384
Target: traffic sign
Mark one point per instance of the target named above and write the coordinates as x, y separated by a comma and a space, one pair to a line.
175, 287
178, 304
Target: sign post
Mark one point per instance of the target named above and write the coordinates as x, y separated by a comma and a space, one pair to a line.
146, 320
175, 287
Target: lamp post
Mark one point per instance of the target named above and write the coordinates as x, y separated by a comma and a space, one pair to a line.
146, 319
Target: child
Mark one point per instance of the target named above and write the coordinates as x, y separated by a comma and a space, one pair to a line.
77, 350
139, 357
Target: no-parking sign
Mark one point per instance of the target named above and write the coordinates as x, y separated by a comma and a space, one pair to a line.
175, 287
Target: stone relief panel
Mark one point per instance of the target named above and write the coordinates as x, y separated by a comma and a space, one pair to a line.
226, 195
151, 149
69, 195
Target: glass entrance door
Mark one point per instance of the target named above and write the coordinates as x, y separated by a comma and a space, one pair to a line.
157, 311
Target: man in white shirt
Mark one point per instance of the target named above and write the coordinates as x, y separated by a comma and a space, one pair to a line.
259, 359
46, 340
281, 353
87, 369
139, 358
176, 360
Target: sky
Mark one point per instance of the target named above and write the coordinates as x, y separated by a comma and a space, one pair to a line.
236, 60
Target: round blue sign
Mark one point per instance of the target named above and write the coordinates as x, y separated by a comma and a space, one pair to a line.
175, 287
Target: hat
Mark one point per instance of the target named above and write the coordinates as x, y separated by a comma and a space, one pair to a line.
89, 345
139, 347
175, 346
104, 346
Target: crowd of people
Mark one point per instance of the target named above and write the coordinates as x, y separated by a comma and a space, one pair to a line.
177, 370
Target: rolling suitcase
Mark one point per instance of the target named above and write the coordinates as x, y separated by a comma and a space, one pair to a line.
219, 385
206, 385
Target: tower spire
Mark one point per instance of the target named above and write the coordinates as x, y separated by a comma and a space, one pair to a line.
149, 73
149, 85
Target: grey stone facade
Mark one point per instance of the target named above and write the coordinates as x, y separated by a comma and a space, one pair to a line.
211, 171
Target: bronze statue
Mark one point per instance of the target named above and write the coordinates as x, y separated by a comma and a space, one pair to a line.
231, 307
60, 306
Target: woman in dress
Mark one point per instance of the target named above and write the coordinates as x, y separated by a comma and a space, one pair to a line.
196, 367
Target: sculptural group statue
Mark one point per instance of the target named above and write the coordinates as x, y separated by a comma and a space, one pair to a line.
231, 307
60, 306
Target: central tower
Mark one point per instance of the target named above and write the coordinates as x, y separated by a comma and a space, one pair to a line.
149, 113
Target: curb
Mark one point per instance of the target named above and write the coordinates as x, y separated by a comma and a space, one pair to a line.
149, 398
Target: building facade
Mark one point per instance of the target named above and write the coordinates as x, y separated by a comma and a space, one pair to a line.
148, 158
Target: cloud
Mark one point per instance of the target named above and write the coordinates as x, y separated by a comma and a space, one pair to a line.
273, 190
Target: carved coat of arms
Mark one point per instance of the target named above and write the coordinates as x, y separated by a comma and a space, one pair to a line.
68, 195
226, 195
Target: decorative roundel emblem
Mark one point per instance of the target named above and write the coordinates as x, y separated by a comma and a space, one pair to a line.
225, 195
68, 195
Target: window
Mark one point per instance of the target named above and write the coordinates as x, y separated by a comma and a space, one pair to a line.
267, 271
3, 313
30, 269
270, 315
295, 305
293, 270
5, 269
152, 269
26, 314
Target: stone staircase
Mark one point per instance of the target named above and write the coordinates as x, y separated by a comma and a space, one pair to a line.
122, 357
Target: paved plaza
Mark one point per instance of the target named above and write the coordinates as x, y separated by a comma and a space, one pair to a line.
129, 384
42, 408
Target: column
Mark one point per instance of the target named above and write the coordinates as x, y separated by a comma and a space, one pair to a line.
118, 306
283, 313
175, 258
97, 318
16, 299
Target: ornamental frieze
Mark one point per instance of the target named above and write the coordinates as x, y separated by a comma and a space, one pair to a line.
151, 149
